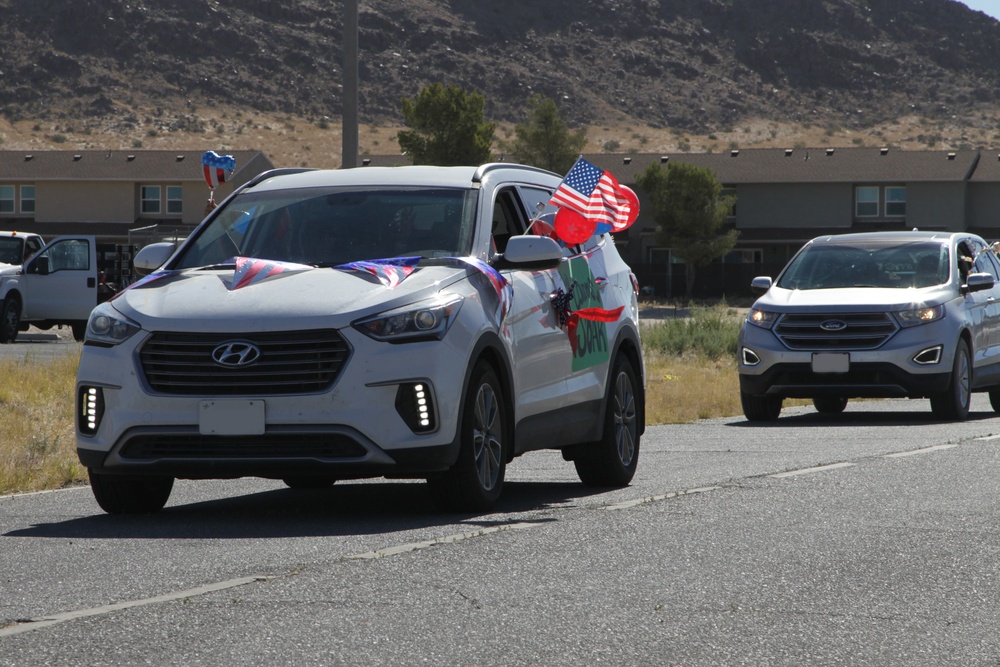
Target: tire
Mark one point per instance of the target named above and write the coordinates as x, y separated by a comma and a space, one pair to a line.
130, 494
612, 460
830, 405
79, 330
10, 320
303, 482
995, 399
953, 403
760, 408
475, 482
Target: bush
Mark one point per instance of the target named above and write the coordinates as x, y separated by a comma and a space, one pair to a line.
710, 333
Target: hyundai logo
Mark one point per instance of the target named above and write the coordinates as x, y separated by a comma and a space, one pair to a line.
236, 353
833, 325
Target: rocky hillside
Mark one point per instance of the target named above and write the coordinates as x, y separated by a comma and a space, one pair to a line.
693, 65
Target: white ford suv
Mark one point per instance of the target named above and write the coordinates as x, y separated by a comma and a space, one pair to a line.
889, 314
398, 322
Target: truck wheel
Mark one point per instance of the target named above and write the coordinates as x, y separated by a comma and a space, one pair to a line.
612, 460
760, 408
830, 406
953, 403
474, 483
10, 320
79, 330
130, 494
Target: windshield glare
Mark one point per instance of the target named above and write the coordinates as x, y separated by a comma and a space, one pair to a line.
828, 266
329, 226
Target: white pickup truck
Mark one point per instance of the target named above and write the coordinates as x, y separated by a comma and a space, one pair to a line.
59, 283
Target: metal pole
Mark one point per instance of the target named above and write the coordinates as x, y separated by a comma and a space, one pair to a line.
349, 152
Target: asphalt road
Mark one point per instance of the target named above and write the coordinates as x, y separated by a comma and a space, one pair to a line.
867, 539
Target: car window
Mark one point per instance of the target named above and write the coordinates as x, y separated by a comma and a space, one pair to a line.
332, 226
831, 266
986, 262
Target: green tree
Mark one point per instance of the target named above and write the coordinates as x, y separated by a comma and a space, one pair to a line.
544, 140
447, 127
690, 214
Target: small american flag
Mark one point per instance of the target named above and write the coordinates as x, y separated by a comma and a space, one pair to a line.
594, 194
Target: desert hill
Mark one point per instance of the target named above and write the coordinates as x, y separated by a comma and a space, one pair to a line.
642, 74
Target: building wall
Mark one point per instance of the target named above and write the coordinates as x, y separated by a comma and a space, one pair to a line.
84, 201
984, 206
787, 205
936, 206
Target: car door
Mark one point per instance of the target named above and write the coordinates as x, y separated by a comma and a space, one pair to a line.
60, 282
539, 348
986, 262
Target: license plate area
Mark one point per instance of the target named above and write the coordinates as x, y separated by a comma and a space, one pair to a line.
231, 416
831, 362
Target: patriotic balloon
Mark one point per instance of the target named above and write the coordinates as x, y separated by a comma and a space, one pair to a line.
215, 167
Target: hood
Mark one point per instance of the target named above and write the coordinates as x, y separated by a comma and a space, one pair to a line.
9, 269
853, 299
201, 299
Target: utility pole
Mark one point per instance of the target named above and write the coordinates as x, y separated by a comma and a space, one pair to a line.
349, 151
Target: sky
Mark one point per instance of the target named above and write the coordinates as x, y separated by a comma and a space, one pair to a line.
991, 7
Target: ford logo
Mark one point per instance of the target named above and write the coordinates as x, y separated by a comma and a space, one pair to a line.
236, 353
833, 325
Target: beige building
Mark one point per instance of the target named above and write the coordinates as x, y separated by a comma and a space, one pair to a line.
118, 196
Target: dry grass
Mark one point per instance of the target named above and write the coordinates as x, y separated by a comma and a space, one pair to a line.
37, 441
682, 389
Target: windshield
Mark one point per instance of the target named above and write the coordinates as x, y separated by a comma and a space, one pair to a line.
11, 250
332, 226
828, 266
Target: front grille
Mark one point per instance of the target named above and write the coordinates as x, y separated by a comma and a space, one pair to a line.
268, 446
860, 331
291, 362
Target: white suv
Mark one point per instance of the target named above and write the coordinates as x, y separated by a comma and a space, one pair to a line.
888, 314
397, 322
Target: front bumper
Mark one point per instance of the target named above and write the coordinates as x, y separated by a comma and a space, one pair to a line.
356, 428
891, 370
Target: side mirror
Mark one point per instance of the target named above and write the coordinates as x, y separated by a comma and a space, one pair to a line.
760, 284
979, 281
152, 257
531, 252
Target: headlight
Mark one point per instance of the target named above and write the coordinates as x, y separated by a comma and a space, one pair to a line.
108, 326
911, 318
762, 318
426, 320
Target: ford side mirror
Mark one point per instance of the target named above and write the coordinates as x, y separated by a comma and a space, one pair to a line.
760, 284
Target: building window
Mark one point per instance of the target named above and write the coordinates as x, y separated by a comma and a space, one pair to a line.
744, 256
895, 202
175, 199
27, 199
866, 201
150, 198
6, 198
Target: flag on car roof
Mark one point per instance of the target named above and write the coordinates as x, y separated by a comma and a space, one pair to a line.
594, 194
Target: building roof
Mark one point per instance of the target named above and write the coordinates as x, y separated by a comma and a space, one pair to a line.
104, 165
806, 165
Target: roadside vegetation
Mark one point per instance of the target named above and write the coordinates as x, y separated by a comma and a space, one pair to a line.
690, 374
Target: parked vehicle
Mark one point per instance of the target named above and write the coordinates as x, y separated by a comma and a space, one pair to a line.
58, 284
889, 314
16, 247
396, 322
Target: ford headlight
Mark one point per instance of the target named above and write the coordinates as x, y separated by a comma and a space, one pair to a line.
106, 325
425, 320
762, 318
911, 318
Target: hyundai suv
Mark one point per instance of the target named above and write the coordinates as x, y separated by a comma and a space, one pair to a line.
405, 322
888, 314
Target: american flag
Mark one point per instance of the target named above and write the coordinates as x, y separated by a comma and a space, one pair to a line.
594, 194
